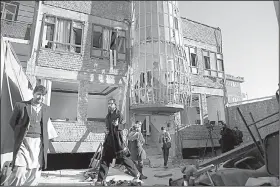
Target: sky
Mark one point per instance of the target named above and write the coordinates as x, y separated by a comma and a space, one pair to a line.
250, 36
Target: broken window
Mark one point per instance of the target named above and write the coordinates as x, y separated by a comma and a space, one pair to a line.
193, 60
9, 10
207, 62
97, 37
142, 80
220, 65
62, 34
176, 23
149, 78
121, 47
106, 41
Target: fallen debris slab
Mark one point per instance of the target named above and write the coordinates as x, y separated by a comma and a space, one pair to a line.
163, 174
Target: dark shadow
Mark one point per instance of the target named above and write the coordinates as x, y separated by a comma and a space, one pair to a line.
7, 134
60, 161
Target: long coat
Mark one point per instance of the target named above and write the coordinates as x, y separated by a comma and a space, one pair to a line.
19, 122
114, 144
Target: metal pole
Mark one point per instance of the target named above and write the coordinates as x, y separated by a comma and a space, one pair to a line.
263, 118
258, 133
243, 119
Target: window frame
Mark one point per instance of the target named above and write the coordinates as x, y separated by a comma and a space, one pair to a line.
194, 69
15, 14
102, 50
54, 42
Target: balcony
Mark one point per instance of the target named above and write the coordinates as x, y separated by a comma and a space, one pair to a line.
165, 96
16, 29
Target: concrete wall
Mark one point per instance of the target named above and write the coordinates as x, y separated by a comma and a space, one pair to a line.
259, 110
197, 136
215, 108
233, 91
64, 105
74, 137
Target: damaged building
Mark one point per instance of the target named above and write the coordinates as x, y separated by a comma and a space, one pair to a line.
163, 70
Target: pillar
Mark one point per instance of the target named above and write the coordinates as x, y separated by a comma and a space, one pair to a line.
48, 85
177, 137
82, 104
131, 118
203, 108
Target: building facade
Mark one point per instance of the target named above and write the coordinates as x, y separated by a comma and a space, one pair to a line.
233, 86
163, 70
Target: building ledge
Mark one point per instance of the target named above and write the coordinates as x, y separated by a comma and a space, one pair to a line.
157, 108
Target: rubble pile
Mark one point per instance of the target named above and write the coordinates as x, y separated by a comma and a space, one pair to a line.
122, 183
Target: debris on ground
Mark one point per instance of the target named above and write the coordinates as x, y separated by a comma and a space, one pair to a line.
122, 183
90, 175
163, 174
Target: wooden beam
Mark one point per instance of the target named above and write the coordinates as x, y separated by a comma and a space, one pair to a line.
16, 40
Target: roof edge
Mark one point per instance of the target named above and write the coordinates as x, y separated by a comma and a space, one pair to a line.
216, 28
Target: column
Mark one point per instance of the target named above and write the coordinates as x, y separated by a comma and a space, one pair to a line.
131, 118
48, 85
203, 108
82, 104
177, 138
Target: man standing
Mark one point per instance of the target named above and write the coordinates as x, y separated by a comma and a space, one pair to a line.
30, 124
114, 145
135, 145
238, 135
227, 140
165, 139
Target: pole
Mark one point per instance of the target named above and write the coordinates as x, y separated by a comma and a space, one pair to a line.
256, 128
248, 128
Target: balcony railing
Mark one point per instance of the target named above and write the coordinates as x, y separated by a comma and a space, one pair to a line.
172, 90
15, 29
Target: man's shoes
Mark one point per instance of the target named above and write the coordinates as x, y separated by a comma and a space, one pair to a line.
127, 172
136, 180
100, 183
143, 177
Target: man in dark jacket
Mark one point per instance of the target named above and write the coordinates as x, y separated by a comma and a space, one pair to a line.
115, 146
227, 140
238, 136
29, 121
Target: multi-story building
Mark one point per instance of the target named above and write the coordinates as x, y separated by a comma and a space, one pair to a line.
86, 52
17, 26
233, 86
203, 44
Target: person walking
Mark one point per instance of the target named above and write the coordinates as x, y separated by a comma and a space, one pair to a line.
115, 146
165, 139
135, 145
29, 122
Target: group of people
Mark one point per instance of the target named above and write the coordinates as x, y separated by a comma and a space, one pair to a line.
29, 122
128, 151
229, 137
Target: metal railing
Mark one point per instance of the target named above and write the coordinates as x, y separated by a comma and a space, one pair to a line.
169, 90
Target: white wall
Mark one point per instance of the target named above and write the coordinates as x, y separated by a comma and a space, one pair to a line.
97, 106
214, 105
64, 105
